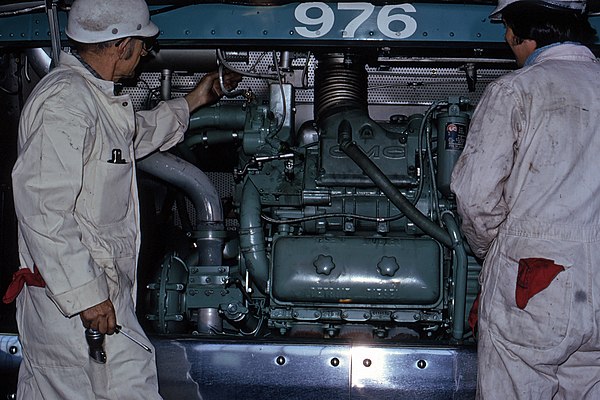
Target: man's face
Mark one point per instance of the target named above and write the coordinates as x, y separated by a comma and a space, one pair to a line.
520, 48
134, 51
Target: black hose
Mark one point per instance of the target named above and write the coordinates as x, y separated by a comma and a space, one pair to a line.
356, 154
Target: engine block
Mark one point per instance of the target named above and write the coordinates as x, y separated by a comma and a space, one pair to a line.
345, 223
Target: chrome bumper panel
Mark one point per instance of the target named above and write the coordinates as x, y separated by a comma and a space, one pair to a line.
210, 369
194, 368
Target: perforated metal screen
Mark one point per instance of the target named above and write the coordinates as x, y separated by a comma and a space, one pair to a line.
393, 86
392, 90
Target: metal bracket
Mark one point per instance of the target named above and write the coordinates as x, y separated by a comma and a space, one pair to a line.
257, 162
52, 12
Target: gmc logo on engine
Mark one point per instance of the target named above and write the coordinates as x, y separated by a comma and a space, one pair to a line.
376, 152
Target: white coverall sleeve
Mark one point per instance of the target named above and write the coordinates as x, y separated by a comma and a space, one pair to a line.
162, 127
481, 171
47, 180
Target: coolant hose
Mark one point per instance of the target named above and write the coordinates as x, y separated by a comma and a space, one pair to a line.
211, 137
226, 121
450, 238
387, 187
252, 240
460, 275
222, 116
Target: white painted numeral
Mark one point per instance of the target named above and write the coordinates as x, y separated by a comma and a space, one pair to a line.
325, 20
388, 20
367, 10
385, 19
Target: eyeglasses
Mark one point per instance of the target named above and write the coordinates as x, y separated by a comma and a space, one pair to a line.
148, 44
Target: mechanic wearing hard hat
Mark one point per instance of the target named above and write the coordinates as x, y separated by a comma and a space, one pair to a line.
528, 191
76, 202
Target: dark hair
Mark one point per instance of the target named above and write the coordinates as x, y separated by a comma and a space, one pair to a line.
547, 25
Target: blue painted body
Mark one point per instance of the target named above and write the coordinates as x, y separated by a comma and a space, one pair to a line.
350, 23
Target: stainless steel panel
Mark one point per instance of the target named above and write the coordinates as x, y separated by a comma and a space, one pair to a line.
191, 368
413, 373
10, 353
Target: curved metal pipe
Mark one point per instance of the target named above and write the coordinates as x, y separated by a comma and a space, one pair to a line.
252, 239
387, 187
189, 179
460, 275
39, 60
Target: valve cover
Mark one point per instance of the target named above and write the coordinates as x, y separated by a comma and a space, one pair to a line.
381, 146
356, 270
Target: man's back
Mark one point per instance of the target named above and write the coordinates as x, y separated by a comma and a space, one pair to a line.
558, 102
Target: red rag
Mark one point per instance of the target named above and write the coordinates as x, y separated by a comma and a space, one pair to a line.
535, 275
474, 315
19, 279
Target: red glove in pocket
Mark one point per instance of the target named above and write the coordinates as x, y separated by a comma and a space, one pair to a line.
20, 278
535, 274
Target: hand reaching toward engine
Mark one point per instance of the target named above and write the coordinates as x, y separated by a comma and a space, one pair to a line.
208, 91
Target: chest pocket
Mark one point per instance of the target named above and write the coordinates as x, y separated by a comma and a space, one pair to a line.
110, 192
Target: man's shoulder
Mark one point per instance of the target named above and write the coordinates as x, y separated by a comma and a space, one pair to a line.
521, 79
64, 89
64, 80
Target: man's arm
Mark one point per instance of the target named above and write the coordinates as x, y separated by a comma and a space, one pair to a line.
164, 126
485, 164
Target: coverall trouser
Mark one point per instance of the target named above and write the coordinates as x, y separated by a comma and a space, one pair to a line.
551, 348
56, 364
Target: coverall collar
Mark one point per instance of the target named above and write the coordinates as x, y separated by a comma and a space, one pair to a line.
87, 66
70, 61
559, 50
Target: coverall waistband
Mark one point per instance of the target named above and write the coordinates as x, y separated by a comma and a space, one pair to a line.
544, 230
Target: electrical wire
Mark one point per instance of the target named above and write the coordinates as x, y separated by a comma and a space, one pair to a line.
432, 182
414, 84
304, 78
9, 92
284, 116
21, 11
258, 60
332, 215
425, 130
172, 8
227, 92
221, 58
19, 75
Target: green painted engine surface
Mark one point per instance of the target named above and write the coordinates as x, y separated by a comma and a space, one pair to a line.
354, 271
338, 251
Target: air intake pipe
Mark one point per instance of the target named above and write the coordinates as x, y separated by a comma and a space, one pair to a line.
209, 231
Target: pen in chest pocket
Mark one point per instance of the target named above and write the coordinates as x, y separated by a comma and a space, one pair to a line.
117, 157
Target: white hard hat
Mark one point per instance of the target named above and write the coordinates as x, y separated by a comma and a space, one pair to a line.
94, 21
574, 5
